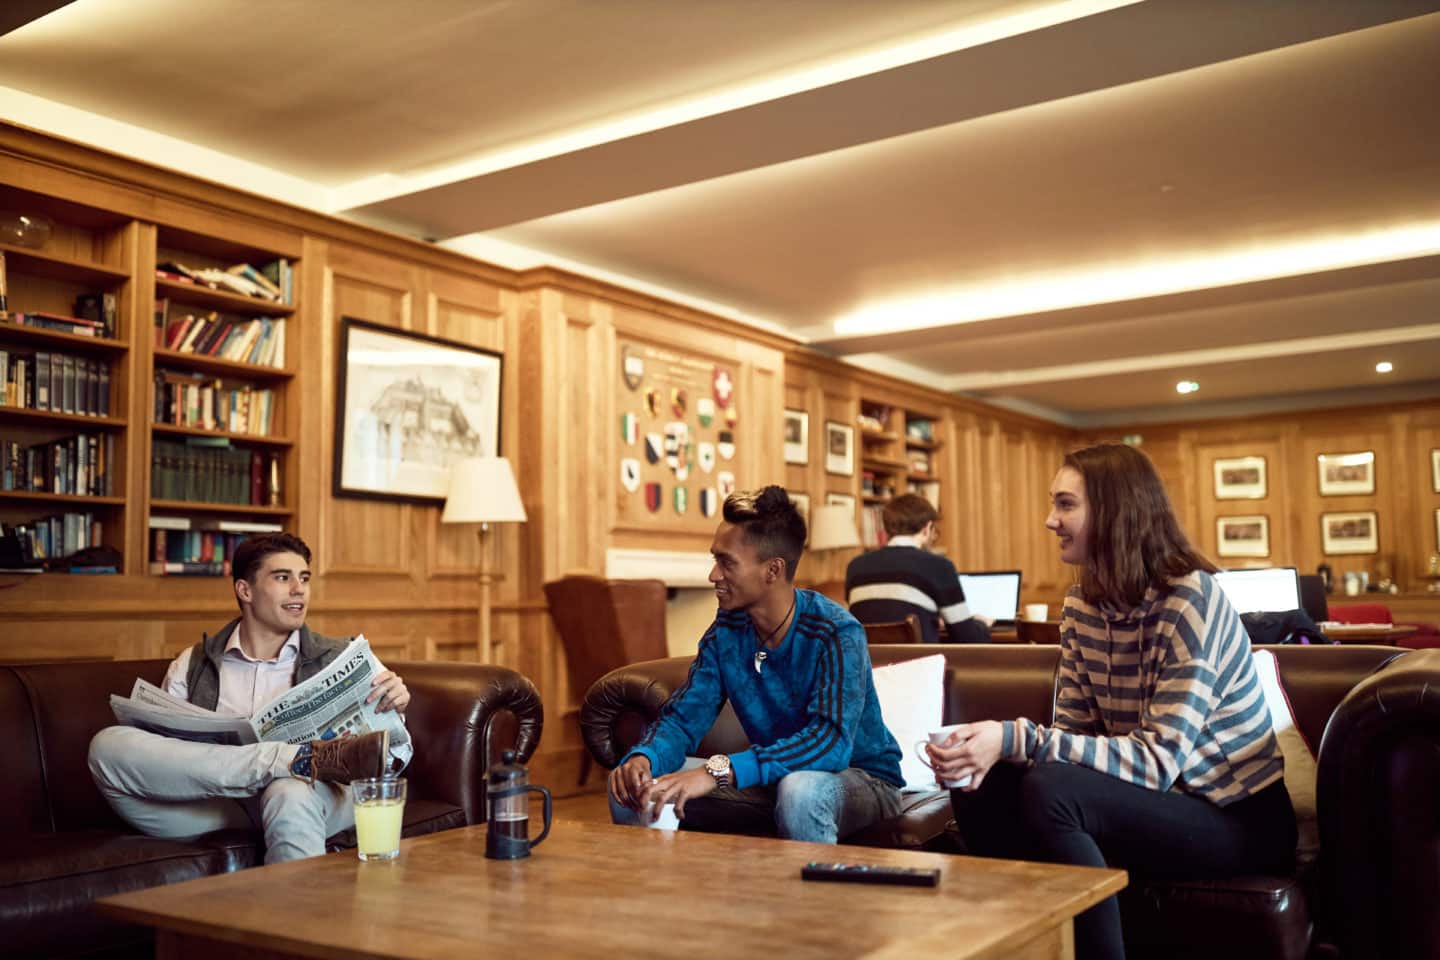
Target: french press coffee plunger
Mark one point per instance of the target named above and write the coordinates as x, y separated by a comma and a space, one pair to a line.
507, 834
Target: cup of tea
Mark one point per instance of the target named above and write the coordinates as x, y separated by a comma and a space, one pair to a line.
938, 738
379, 815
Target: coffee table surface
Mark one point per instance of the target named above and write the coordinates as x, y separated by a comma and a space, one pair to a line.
595, 890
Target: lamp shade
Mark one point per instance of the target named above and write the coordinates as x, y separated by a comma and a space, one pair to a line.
483, 491
833, 526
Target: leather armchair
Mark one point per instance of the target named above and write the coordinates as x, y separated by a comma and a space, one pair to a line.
65, 847
1373, 710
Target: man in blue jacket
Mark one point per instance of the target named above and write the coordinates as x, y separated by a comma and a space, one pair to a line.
795, 667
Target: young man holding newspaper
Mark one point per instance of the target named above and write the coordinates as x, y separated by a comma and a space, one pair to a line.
296, 792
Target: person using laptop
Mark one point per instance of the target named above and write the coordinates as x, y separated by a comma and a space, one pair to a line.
795, 667
1162, 759
905, 577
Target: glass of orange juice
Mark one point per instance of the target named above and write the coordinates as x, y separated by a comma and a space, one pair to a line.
379, 812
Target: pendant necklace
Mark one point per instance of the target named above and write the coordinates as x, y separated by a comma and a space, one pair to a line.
761, 654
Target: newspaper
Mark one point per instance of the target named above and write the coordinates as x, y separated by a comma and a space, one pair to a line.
329, 704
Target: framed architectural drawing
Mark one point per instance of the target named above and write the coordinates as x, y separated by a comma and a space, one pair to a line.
1350, 532
1241, 478
408, 406
1343, 474
1243, 536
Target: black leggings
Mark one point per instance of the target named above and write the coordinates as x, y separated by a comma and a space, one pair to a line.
1063, 813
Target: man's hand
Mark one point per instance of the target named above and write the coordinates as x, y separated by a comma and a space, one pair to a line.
390, 690
630, 780
677, 788
968, 752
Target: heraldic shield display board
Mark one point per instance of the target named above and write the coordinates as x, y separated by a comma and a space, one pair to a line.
677, 435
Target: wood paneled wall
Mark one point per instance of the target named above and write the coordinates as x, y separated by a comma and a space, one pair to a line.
994, 467
1404, 499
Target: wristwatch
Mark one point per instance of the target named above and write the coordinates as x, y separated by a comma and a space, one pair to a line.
718, 767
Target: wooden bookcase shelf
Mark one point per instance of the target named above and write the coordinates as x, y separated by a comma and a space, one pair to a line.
53, 417
221, 300
225, 368
249, 439
54, 339
54, 266
888, 459
229, 509
68, 499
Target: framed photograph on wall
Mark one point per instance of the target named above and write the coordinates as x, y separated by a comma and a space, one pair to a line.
839, 449
1350, 532
1343, 474
408, 406
1435, 470
840, 499
797, 436
802, 506
1243, 536
1241, 478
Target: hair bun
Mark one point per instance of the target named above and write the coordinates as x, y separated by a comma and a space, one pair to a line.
771, 499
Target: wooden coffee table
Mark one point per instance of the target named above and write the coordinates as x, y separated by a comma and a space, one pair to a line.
595, 890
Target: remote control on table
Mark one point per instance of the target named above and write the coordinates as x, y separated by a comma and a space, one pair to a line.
871, 873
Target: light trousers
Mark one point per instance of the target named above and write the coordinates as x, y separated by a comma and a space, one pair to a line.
173, 788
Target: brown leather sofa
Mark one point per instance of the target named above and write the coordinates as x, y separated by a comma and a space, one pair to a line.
1374, 890
64, 847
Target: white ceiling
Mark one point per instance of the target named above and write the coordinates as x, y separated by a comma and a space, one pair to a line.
1064, 207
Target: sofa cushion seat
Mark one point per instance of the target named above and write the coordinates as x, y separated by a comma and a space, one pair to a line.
1248, 915
920, 822
47, 881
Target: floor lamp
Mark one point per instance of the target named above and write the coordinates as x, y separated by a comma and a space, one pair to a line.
483, 491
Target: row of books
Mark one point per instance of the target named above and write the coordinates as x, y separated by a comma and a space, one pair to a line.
78, 466
60, 323
194, 400
258, 340
872, 526
57, 382
275, 281
201, 470
53, 537
193, 552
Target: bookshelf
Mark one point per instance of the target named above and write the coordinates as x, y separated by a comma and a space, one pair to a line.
220, 463
898, 454
65, 361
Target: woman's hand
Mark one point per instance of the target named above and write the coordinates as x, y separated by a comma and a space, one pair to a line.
969, 752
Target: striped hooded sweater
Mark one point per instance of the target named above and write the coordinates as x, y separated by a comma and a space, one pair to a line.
1164, 696
811, 706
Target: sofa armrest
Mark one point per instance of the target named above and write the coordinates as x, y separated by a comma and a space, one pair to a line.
462, 716
1378, 800
620, 705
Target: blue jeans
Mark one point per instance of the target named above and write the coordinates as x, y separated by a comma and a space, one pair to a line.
812, 805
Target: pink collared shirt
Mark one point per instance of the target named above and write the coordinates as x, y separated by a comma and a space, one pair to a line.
246, 684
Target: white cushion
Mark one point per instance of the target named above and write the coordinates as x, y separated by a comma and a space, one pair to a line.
1299, 758
912, 703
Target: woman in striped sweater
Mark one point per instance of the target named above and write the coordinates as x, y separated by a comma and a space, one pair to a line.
1162, 759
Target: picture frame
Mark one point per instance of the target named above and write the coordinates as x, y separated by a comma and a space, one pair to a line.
839, 449
1435, 470
1350, 533
1346, 474
797, 436
1437, 528
802, 506
840, 499
1241, 478
1243, 536
385, 377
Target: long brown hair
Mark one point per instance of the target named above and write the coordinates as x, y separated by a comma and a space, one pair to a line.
1135, 542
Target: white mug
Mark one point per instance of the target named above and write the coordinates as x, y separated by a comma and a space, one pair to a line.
666, 820
938, 737
1037, 612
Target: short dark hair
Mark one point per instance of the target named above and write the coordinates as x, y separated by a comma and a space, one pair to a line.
1135, 541
907, 514
251, 553
771, 524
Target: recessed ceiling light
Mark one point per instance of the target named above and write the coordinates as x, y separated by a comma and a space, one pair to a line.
1186, 386
1384, 366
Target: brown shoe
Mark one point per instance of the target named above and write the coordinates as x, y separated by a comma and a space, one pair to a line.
350, 758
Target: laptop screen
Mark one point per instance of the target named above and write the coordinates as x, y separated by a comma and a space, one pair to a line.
995, 594
1257, 591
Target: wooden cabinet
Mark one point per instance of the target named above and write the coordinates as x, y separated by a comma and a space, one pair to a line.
65, 360
898, 454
